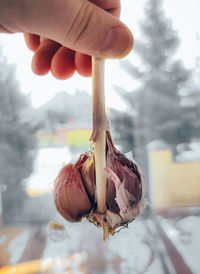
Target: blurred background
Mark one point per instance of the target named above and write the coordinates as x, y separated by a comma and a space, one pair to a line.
153, 103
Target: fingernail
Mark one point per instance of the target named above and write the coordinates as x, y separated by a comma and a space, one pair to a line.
117, 43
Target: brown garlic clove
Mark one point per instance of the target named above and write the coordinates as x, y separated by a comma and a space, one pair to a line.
70, 196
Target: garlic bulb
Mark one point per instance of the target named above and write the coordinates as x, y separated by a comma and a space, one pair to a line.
75, 197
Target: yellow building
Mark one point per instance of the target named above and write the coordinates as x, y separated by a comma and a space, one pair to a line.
74, 137
174, 184
66, 135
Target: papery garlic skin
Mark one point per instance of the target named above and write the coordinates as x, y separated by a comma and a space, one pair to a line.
129, 207
124, 176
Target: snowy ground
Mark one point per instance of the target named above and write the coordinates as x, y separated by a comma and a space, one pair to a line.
132, 250
129, 251
185, 234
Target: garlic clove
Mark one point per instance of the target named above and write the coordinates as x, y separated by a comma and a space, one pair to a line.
70, 196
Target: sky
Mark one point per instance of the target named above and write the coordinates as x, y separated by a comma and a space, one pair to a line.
186, 20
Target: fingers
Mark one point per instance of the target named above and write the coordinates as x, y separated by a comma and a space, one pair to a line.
62, 65
83, 64
61, 61
32, 41
41, 62
79, 25
65, 62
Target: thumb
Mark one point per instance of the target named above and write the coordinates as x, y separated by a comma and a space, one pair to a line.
77, 24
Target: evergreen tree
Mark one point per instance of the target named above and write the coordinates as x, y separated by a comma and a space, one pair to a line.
157, 100
17, 141
122, 127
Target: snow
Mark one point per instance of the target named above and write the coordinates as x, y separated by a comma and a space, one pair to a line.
188, 156
75, 233
17, 246
132, 245
185, 234
134, 248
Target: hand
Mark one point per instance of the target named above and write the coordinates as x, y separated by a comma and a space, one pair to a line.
64, 33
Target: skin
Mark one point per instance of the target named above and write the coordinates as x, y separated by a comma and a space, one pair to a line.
64, 34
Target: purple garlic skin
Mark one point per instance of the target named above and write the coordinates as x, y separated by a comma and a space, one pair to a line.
128, 176
74, 193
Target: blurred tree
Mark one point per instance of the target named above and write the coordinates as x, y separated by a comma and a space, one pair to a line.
17, 141
190, 98
157, 100
122, 126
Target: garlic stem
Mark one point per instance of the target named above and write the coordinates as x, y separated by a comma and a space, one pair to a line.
99, 127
